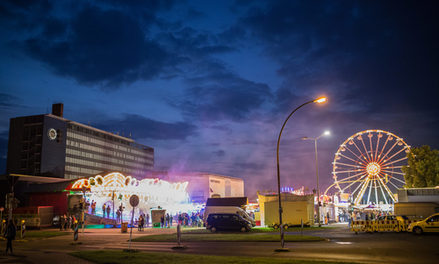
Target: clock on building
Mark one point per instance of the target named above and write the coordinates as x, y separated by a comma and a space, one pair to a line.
52, 134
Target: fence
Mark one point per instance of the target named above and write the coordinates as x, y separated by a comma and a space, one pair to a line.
380, 225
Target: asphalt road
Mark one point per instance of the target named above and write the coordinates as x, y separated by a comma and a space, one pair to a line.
342, 245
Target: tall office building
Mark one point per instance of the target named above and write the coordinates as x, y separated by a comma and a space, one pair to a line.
50, 145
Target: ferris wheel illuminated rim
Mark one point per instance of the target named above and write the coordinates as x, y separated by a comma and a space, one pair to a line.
367, 165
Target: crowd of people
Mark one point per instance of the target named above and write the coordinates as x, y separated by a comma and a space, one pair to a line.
166, 221
66, 222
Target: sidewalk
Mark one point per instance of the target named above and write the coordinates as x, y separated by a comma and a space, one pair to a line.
55, 249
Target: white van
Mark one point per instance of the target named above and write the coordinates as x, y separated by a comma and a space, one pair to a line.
227, 209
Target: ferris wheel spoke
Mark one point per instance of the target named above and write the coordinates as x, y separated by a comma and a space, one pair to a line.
393, 167
384, 147
396, 153
353, 176
370, 190
396, 179
393, 172
382, 191
396, 187
371, 147
357, 181
345, 164
388, 151
348, 171
395, 161
365, 149
359, 158
362, 190
387, 189
351, 159
377, 146
361, 153
376, 191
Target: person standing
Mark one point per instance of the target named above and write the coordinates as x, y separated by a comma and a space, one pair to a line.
93, 207
167, 220
118, 216
103, 210
121, 207
108, 211
10, 233
62, 220
147, 220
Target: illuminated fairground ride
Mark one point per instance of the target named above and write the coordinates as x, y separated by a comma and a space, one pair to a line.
117, 188
368, 165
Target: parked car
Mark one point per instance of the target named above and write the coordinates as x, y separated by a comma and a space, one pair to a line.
429, 224
227, 222
56, 221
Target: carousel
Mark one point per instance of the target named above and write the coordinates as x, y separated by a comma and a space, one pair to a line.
115, 189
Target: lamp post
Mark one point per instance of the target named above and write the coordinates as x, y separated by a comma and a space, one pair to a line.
326, 133
318, 100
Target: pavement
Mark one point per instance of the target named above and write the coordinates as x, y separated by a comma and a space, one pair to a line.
341, 245
54, 249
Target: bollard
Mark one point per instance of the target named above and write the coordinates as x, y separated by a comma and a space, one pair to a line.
179, 245
3, 225
75, 232
23, 228
301, 224
179, 235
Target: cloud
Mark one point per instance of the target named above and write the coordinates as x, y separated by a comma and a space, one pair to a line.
98, 47
379, 53
219, 94
7, 100
219, 153
110, 43
144, 128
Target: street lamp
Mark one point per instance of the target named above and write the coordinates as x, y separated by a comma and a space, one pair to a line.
326, 133
318, 100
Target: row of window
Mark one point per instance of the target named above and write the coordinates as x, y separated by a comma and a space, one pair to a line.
107, 152
103, 166
107, 144
71, 173
73, 169
96, 165
97, 134
84, 154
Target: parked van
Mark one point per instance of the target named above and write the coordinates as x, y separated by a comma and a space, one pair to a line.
227, 209
227, 222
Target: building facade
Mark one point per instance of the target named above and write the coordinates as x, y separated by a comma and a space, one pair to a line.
203, 185
50, 145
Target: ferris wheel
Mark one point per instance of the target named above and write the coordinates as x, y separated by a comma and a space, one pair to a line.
367, 165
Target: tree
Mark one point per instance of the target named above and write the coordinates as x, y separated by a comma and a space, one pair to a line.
423, 167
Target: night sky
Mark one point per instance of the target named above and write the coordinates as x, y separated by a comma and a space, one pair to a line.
208, 84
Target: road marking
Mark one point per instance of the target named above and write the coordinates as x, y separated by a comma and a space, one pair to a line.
344, 243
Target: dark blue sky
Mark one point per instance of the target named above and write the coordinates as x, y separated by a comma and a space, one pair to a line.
209, 83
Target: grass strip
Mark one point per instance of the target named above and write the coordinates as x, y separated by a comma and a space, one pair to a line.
117, 256
262, 229
43, 234
231, 237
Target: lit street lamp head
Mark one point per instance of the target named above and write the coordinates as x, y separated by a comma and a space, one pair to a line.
327, 133
320, 100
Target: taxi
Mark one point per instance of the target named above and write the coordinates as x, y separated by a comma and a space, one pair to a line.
429, 224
